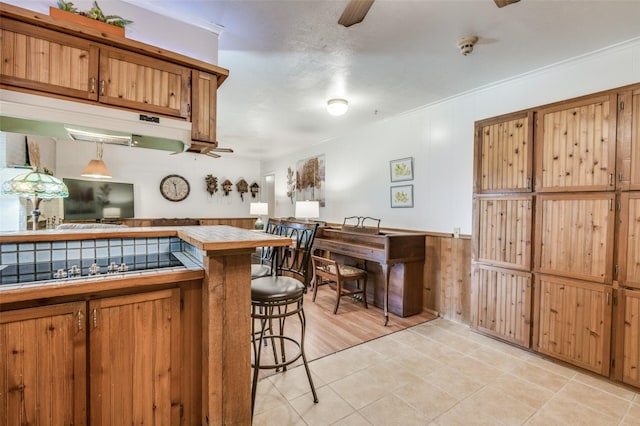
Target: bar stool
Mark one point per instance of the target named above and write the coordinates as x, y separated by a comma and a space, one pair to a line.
276, 297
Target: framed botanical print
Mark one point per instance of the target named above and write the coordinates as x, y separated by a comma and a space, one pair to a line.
402, 196
401, 169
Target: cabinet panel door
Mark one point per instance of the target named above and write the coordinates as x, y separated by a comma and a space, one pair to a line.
576, 146
143, 83
574, 235
43, 365
631, 338
574, 322
504, 231
502, 303
629, 254
134, 359
629, 139
38, 59
204, 99
504, 147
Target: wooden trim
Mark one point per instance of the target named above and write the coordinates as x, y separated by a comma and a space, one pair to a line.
64, 15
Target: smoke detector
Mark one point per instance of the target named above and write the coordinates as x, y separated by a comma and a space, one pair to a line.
465, 44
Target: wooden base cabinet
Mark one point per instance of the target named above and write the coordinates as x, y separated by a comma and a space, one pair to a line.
573, 322
501, 304
131, 344
134, 359
43, 365
629, 334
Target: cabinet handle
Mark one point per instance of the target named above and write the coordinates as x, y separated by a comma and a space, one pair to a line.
80, 319
607, 298
102, 87
620, 176
610, 179
528, 183
95, 318
92, 83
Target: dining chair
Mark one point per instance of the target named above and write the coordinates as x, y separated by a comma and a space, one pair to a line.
329, 272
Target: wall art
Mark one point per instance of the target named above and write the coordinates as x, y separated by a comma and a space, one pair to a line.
401, 169
310, 179
402, 196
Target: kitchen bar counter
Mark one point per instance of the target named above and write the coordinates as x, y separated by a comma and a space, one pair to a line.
221, 308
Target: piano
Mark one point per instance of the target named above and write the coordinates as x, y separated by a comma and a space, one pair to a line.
394, 260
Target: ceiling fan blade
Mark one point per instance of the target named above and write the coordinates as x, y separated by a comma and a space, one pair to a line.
211, 154
503, 3
222, 150
355, 12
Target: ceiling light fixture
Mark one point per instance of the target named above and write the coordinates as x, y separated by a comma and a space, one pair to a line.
337, 107
96, 168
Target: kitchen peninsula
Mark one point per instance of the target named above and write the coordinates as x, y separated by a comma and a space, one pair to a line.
162, 346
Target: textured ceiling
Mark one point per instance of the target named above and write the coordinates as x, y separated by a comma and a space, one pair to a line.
288, 57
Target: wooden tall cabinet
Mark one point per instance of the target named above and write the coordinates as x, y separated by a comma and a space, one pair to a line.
43, 379
503, 206
573, 257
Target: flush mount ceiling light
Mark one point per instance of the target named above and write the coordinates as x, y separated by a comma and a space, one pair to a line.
337, 106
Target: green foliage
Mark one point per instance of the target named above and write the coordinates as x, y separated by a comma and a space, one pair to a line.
95, 13
67, 6
402, 169
402, 197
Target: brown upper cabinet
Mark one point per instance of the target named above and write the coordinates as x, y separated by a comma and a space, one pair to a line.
629, 139
204, 92
504, 154
39, 59
46, 56
142, 83
576, 145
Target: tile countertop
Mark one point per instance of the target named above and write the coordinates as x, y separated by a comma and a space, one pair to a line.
209, 238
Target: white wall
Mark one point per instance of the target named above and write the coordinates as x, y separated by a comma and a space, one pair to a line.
148, 27
440, 138
145, 168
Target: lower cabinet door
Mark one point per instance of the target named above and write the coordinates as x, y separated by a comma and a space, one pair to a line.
501, 303
134, 359
43, 365
631, 337
574, 321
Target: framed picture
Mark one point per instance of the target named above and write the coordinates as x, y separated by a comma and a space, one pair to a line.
310, 179
401, 169
402, 196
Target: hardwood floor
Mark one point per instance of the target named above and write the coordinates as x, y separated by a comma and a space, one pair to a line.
352, 325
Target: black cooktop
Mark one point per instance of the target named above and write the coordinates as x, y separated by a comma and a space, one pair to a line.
83, 268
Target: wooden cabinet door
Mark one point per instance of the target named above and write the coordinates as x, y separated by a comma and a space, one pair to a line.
574, 235
38, 59
629, 139
629, 246
501, 303
576, 146
630, 331
204, 90
143, 83
504, 231
503, 154
43, 365
134, 359
573, 322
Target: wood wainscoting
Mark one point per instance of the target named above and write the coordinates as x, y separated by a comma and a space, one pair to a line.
447, 277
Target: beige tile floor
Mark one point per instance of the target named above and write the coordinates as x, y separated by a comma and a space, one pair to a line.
441, 373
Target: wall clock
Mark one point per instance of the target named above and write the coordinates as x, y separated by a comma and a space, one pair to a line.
174, 188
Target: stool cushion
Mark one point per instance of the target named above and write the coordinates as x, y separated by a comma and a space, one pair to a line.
271, 289
260, 270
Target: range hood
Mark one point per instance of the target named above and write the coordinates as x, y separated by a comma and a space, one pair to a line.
40, 115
